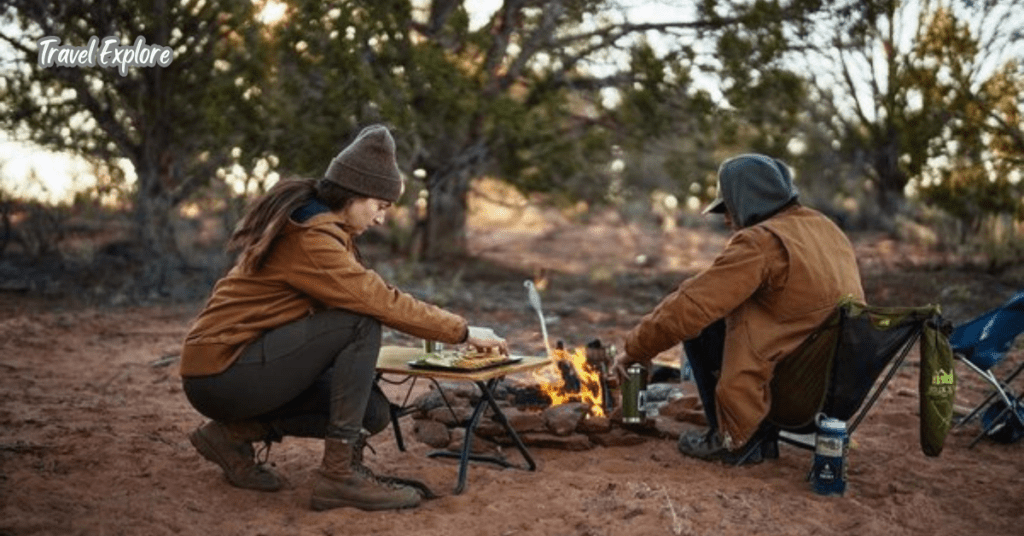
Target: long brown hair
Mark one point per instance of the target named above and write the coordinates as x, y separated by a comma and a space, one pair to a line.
267, 215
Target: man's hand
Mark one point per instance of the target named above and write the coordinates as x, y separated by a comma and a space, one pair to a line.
618, 370
617, 373
484, 339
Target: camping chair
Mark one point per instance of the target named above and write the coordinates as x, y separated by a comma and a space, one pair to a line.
981, 344
837, 368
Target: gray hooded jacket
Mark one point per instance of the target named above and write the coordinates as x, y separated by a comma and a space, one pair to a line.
753, 187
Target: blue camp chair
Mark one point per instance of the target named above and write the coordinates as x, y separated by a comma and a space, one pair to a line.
981, 344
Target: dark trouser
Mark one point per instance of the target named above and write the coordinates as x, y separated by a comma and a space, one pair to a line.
310, 378
704, 352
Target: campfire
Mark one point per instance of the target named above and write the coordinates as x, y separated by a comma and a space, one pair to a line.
577, 376
566, 405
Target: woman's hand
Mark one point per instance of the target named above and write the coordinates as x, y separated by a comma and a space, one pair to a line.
484, 339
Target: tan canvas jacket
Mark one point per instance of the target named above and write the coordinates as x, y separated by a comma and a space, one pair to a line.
312, 267
773, 283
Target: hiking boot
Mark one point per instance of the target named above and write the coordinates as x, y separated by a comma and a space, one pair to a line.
344, 481
229, 445
360, 446
708, 446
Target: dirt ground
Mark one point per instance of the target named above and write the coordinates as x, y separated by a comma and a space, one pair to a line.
93, 421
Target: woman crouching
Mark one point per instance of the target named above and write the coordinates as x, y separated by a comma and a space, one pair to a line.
287, 343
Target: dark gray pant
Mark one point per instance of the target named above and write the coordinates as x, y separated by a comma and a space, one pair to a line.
310, 378
704, 352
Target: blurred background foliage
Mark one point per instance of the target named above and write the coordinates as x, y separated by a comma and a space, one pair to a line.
891, 113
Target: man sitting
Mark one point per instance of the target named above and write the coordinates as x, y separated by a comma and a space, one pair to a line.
781, 274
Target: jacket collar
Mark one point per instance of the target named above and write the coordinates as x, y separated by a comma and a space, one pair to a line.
329, 221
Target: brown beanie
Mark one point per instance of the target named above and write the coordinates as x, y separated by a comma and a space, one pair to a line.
367, 166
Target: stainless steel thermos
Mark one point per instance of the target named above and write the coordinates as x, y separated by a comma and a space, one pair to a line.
633, 388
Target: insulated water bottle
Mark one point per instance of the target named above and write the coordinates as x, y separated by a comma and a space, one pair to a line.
828, 472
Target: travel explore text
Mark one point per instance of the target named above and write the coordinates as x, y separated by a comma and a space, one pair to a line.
106, 53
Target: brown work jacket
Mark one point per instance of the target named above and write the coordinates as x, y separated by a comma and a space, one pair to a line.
774, 283
312, 267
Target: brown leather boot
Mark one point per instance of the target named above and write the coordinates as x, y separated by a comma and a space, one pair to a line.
344, 481
229, 445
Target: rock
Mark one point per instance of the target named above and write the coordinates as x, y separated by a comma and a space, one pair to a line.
432, 433
693, 417
501, 391
574, 442
429, 400
686, 408
563, 418
670, 427
489, 428
525, 421
462, 413
594, 425
618, 437
478, 446
465, 390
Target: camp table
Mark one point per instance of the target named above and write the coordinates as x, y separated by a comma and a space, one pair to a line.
397, 360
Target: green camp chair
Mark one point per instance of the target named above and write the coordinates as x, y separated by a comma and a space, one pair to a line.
838, 367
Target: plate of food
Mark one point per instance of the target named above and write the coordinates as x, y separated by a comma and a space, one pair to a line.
462, 359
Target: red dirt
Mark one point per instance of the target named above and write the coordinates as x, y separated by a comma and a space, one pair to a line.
94, 423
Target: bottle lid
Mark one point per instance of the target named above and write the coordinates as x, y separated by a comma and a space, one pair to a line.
828, 424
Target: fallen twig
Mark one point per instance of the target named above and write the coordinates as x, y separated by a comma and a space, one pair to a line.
164, 361
677, 524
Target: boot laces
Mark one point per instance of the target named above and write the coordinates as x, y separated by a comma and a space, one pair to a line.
263, 453
366, 472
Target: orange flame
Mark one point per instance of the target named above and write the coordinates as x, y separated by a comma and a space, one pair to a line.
551, 382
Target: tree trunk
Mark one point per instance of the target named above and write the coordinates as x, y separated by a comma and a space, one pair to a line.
891, 179
446, 217
890, 199
155, 236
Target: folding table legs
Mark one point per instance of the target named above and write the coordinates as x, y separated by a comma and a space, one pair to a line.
400, 410
465, 456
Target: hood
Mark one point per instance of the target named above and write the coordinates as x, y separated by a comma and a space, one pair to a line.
752, 187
